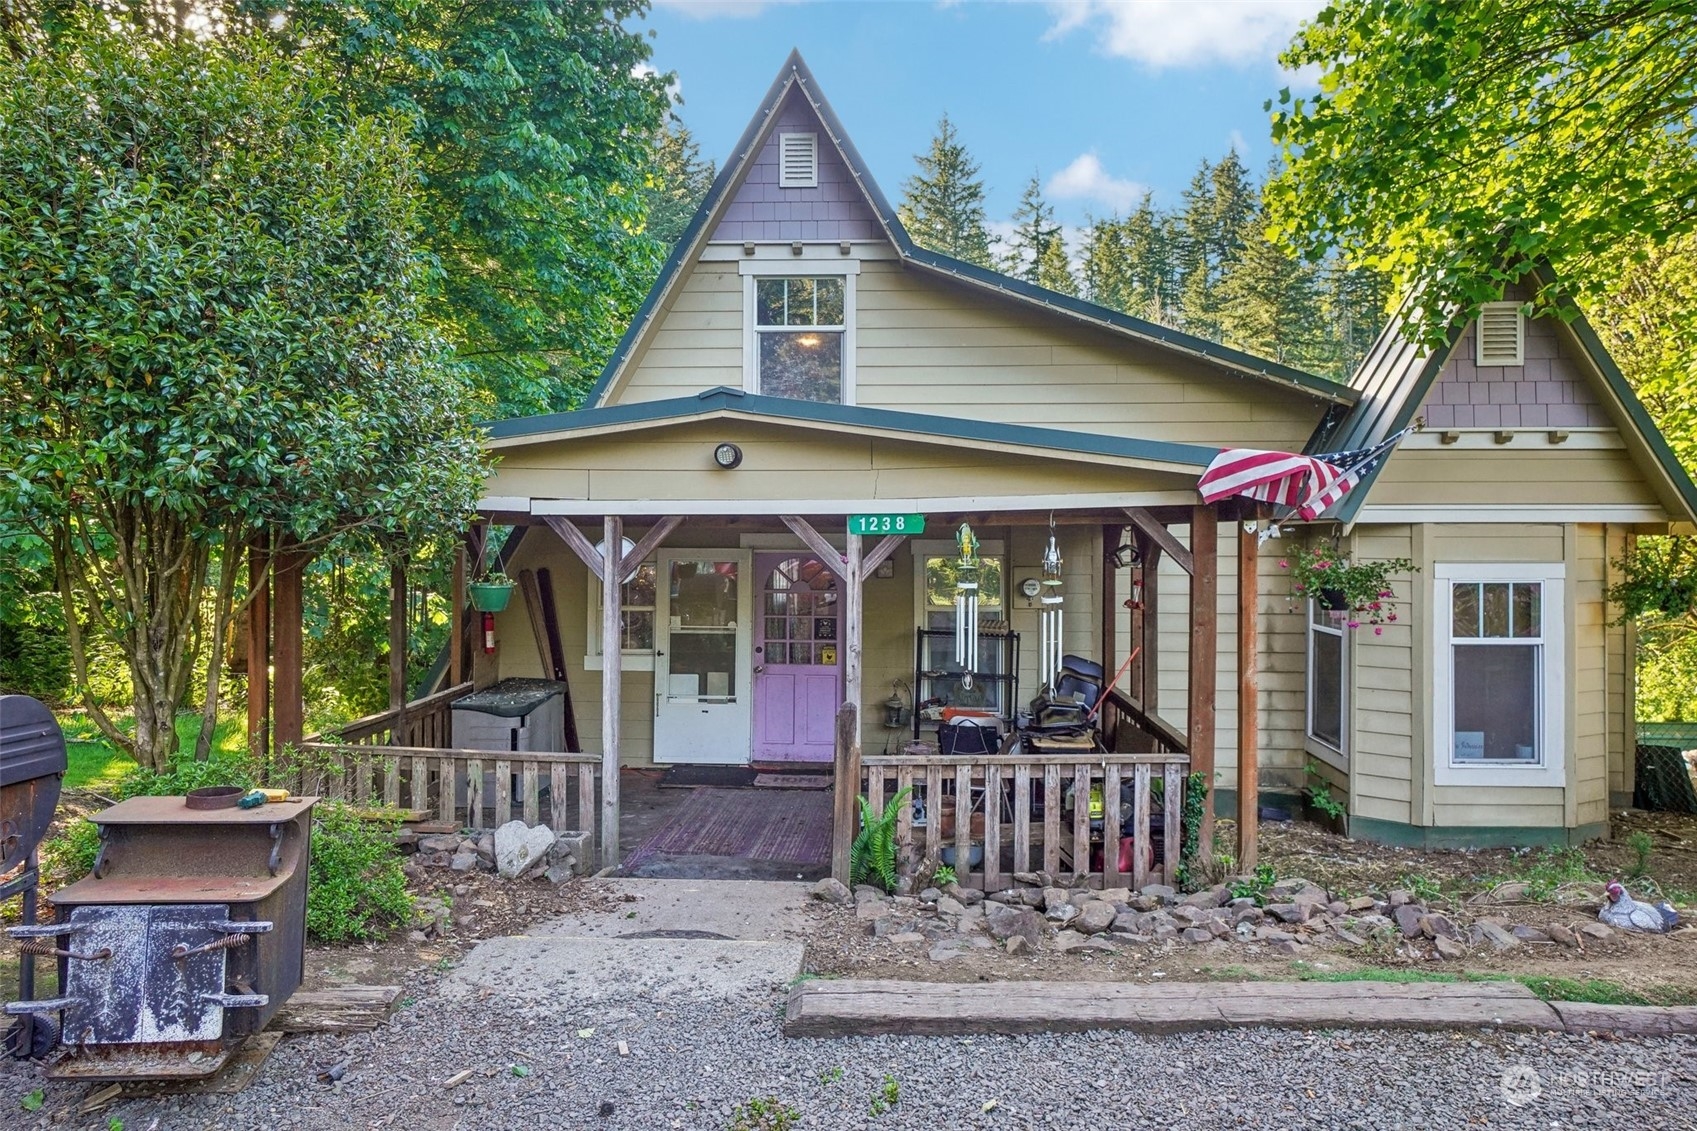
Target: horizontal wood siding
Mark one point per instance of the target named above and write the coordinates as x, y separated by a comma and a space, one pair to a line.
1383, 766
926, 345
697, 344
1589, 745
1527, 471
1619, 654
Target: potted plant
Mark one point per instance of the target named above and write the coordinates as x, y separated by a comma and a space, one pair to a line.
491, 592
1356, 592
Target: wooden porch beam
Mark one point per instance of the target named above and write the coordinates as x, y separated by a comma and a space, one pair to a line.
880, 553
288, 568
846, 787
1248, 699
612, 662
1110, 596
816, 542
582, 547
1148, 665
1158, 533
1204, 650
646, 545
457, 619
398, 648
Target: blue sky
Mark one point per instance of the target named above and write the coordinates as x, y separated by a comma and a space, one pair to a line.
1100, 98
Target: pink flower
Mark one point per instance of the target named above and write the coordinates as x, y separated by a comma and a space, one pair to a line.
1322, 564
1385, 593
1283, 564
1391, 617
1297, 588
1374, 605
1378, 631
1355, 624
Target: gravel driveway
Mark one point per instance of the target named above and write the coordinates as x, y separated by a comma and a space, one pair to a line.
699, 1030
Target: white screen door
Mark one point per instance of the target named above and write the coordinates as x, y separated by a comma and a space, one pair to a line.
703, 606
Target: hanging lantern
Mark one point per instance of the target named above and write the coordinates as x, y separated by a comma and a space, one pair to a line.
1049, 645
966, 604
895, 710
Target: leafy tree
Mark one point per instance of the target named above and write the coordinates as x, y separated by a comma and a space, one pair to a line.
942, 205
1454, 146
210, 327
676, 185
1036, 252
533, 124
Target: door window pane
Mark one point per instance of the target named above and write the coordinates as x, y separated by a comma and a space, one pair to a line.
806, 367
704, 594
1496, 703
1325, 687
704, 664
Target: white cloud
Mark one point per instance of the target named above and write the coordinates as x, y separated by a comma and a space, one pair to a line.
1239, 143
715, 9
1182, 33
1086, 180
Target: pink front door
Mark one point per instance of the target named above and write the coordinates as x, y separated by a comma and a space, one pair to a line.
797, 663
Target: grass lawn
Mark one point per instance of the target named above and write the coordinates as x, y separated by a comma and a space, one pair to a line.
94, 763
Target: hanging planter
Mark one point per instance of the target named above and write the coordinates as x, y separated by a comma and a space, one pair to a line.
490, 594
1352, 592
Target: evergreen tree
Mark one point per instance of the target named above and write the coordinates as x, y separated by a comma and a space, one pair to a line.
1218, 203
1354, 300
1268, 302
1034, 231
1054, 270
943, 204
677, 185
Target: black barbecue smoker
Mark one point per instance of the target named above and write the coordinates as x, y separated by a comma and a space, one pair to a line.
32, 763
186, 937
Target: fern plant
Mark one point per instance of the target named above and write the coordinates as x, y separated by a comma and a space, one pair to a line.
872, 856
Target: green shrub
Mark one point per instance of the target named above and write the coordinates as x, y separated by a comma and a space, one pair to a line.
355, 886
872, 855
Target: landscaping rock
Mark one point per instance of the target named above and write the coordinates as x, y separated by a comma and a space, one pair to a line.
1212, 897
1528, 934
1061, 914
1197, 935
571, 847
1285, 946
1016, 945
448, 842
1597, 931
559, 873
1251, 915
1399, 897
1362, 903
1114, 895
930, 895
1503, 893
1095, 917
949, 905
1141, 902
969, 897
905, 938
1448, 948
463, 861
1273, 934
1337, 907
1290, 912
1563, 935
832, 890
1437, 926
1160, 891
1348, 936
519, 848
1407, 917
1006, 922
1490, 931
1054, 897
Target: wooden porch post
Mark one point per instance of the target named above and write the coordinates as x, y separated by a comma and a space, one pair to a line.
398, 649
259, 651
1204, 645
456, 620
288, 571
1248, 699
1148, 631
612, 658
848, 719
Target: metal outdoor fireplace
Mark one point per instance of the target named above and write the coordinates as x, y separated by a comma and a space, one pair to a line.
186, 937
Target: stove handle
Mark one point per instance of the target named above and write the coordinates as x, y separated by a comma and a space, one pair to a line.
49, 1005
231, 927
45, 930
238, 1001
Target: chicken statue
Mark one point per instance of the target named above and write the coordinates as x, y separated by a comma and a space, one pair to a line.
1627, 914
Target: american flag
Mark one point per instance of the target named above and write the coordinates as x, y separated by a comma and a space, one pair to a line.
1307, 484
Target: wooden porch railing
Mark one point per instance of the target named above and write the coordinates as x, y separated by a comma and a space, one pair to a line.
426, 722
1148, 734
994, 802
472, 788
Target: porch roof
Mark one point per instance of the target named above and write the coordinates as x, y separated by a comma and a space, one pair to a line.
724, 401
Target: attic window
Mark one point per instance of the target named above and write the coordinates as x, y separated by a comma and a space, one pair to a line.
1502, 334
798, 160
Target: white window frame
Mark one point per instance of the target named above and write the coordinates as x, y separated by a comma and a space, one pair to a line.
634, 659
1497, 310
846, 269
1551, 770
1335, 756
923, 548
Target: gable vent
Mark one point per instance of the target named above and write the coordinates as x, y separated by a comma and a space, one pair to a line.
798, 160
1502, 334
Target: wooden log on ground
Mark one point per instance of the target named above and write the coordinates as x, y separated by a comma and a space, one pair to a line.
344, 1009
857, 1007
1631, 1020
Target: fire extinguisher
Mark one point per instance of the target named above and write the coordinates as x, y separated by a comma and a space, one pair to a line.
488, 634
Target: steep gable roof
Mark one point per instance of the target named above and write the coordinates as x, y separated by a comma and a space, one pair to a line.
1397, 374
795, 75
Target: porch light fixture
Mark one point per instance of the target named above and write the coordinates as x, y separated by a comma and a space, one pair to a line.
727, 456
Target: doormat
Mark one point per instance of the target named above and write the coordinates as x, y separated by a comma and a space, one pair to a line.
792, 826
792, 781
720, 777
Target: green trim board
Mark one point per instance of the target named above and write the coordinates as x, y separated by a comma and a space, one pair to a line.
1473, 836
795, 73
734, 401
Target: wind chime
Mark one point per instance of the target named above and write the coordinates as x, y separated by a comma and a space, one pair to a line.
966, 604
1049, 638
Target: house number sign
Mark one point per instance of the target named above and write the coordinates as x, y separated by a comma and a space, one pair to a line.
886, 524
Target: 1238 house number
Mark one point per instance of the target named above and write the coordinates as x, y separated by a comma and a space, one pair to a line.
886, 524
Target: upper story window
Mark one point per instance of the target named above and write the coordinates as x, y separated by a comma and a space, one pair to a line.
800, 336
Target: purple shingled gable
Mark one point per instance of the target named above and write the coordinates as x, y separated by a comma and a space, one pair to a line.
835, 210
1549, 391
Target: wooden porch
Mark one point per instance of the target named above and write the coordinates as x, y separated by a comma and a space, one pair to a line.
403, 757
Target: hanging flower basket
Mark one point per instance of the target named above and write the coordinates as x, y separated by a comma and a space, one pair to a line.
491, 594
1352, 592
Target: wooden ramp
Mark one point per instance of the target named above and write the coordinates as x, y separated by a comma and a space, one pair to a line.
849, 1007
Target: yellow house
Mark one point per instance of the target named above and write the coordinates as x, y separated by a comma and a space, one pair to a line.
801, 362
